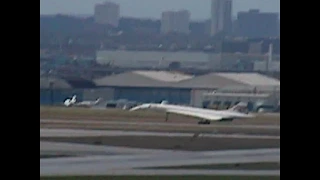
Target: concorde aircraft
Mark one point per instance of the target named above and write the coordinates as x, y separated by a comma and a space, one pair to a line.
73, 102
206, 115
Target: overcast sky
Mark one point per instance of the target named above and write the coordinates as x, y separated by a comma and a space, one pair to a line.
200, 9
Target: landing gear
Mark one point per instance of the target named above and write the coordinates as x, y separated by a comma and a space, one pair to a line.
204, 122
167, 116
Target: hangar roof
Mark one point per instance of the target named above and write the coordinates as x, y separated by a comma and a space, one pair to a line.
164, 75
142, 79
65, 83
222, 80
211, 81
177, 80
57, 83
252, 79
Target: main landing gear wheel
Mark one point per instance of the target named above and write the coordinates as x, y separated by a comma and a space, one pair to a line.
167, 116
204, 122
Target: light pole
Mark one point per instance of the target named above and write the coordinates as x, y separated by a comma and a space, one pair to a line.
51, 83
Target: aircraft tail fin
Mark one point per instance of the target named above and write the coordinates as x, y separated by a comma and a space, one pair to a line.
70, 101
240, 107
164, 102
73, 99
98, 101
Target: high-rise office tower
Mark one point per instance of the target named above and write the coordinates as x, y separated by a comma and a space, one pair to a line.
175, 21
221, 16
107, 13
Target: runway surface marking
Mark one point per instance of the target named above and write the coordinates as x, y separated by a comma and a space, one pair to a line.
164, 124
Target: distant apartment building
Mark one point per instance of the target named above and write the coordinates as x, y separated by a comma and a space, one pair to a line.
279, 27
221, 16
175, 21
255, 24
107, 13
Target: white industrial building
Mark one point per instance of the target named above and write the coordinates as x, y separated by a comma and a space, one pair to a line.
159, 59
273, 66
153, 59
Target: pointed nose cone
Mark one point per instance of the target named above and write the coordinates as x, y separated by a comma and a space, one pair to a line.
135, 108
143, 106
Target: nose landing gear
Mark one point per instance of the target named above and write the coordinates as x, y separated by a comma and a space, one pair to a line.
204, 122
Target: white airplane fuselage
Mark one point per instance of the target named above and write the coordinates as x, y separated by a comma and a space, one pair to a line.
167, 107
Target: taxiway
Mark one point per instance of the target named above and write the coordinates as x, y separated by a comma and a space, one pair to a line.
110, 160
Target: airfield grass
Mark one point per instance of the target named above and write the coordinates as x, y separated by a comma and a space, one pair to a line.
48, 112
239, 166
171, 143
161, 177
112, 112
44, 156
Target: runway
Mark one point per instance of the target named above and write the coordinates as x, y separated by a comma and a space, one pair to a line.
128, 163
174, 127
160, 124
109, 160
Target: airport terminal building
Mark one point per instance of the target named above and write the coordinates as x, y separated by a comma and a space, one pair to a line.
176, 88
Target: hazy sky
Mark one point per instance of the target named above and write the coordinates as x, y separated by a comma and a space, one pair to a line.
200, 9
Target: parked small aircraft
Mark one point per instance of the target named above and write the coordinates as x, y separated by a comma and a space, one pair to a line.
73, 102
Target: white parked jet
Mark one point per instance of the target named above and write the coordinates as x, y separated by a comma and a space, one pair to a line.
207, 115
73, 102
70, 102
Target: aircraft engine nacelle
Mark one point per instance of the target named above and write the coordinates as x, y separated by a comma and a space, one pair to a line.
227, 119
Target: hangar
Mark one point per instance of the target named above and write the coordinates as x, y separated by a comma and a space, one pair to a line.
156, 86
229, 83
147, 86
54, 90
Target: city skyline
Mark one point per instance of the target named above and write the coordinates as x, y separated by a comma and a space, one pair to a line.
143, 8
